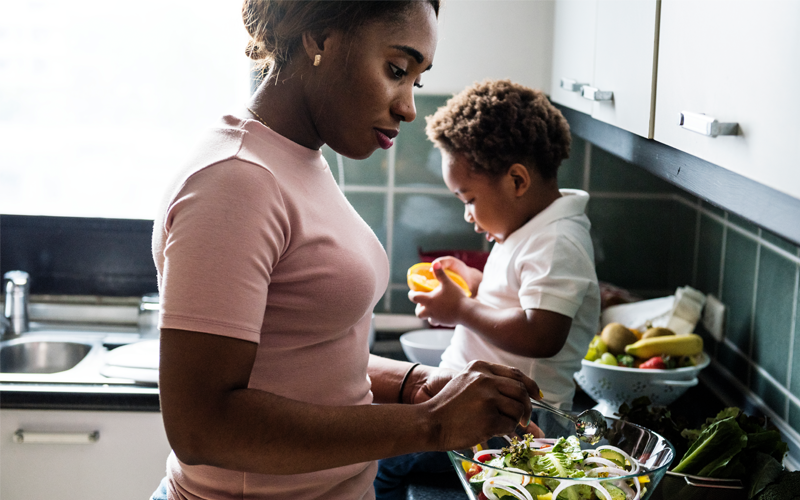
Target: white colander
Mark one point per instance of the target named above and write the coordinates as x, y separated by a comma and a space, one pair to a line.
611, 386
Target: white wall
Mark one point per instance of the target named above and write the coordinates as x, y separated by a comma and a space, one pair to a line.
481, 39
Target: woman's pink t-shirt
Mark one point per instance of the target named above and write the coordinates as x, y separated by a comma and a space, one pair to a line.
258, 243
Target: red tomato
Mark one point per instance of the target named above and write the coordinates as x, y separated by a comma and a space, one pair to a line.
474, 469
481, 496
654, 363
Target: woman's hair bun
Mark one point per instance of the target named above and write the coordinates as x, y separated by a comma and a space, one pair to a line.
276, 26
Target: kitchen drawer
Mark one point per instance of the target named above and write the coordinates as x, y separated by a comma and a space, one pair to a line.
59, 459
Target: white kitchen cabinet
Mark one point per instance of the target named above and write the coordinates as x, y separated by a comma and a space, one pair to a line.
609, 46
735, 62
127, 461
497, 39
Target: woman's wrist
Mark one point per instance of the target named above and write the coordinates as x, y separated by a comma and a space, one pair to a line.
406, 386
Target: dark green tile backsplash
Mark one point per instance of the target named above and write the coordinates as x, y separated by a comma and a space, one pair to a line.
650, 237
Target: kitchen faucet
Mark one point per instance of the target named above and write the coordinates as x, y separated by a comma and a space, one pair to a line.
16, 309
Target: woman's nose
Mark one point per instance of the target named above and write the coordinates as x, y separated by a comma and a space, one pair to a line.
468, 215
404, 106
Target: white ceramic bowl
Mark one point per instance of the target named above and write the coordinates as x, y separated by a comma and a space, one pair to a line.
426, 346
611, 386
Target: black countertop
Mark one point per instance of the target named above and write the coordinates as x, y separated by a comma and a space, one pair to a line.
697, 404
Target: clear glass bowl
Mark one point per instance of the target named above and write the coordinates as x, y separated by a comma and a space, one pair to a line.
652, 451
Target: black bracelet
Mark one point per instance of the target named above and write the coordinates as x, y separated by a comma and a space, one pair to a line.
403, 384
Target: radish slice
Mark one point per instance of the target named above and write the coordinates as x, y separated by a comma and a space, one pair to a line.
513, 489
566, 483
477, 456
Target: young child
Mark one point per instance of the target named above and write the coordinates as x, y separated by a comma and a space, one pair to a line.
536, 305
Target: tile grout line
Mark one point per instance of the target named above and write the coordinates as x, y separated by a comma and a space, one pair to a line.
792, 337
786, 430
387, 303
721, 280
696, 256
744, 232
587, 165
753, 309
764, 373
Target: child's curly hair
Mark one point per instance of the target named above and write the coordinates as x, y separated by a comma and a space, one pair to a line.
496, 123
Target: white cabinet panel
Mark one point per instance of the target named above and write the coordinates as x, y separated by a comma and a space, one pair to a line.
625, 63
609, 45
127, 461
573, 50
735, 61
499, 39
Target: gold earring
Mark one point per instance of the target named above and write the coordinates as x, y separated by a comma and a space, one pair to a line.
317, 59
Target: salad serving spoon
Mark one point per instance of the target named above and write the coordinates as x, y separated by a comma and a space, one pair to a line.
590, 425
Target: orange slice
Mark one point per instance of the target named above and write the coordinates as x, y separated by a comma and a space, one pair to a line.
420, 278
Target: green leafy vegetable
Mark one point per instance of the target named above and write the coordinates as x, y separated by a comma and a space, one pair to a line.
714, 448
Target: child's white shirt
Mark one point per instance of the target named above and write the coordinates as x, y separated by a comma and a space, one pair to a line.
548, 263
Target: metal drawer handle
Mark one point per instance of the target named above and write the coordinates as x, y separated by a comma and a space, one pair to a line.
571, 85
706, 125
28, 437
594, 94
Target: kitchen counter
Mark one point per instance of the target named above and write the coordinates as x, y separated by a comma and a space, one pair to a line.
695, 405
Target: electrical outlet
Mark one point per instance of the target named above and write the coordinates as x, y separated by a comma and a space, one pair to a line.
714, 317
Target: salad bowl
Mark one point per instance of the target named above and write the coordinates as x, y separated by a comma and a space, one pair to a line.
627, 464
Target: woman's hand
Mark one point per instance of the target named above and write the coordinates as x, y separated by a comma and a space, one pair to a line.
426, 382
442, 306
480, 402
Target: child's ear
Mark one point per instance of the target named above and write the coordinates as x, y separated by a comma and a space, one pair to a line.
521, 177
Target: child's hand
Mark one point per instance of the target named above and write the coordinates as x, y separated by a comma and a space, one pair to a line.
442, 306
471, 275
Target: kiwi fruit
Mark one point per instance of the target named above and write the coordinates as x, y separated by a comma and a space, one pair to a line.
657, 331
616, 336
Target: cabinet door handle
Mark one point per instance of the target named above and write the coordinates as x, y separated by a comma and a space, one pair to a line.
706, 125
595, 94
571, 85
28, 437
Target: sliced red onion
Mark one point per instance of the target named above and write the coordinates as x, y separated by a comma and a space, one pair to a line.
629, 493
515, 490
610, 470
524, 477
599, 460
566, 483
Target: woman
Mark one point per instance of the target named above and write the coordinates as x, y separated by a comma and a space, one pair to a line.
268, 277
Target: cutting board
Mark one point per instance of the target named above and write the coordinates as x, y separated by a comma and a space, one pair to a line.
137, 361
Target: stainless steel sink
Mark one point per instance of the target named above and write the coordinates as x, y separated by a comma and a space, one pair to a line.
42, 356
68, 355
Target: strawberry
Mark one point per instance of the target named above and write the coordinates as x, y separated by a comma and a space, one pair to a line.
654, 363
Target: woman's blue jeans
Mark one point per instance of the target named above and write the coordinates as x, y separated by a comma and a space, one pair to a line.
430, 468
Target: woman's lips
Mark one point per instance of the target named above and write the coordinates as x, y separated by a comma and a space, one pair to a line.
385, 137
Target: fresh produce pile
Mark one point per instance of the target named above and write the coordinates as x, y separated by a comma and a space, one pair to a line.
730, 445
655, 348
508, 471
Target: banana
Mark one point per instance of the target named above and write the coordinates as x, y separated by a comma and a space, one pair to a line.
673, 345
